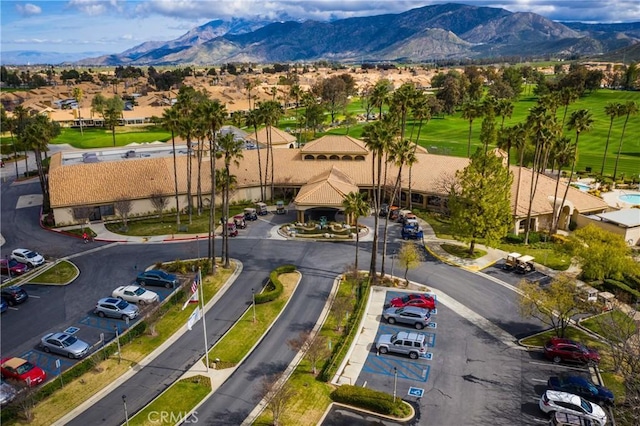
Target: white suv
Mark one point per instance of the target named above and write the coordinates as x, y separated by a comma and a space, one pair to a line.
563, 402
27, 257
412, 344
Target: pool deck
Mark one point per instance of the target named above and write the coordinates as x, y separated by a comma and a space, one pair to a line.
612, 197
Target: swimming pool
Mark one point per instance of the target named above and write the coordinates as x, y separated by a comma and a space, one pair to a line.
581, 186
630, 198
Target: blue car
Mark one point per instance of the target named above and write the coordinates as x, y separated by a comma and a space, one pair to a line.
3, 306
580, 386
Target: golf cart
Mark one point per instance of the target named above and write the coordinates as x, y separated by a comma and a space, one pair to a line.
510, 261
239, 221
250, 214
262, 209
412, 230
232, 229
524, 264
280, 207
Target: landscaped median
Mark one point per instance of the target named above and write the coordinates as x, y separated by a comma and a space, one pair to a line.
99, 370
177, 404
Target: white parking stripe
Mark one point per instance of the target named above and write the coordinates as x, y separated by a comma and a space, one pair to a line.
539, 380
567, 367
33, 297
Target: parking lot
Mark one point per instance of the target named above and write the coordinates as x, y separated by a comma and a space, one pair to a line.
467, 377
511, 277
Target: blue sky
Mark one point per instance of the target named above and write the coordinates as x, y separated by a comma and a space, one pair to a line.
111, 26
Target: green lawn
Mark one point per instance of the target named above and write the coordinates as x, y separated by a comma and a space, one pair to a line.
61, 273
550, 255
176, 401
462, 251
615, 316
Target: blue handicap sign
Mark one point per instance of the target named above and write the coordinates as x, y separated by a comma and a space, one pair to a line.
428, 356
72, 330
432, 325
417, 392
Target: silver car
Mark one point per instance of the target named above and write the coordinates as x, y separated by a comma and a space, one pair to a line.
115, 308
64, 344
411, 315
7, 393
408, 343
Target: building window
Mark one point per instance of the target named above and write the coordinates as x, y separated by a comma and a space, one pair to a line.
334, 157
417, 198
347, 158
322, 157
359, 157
309, 157
107, 210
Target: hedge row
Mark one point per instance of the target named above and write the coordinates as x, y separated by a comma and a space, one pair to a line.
368, 399
274, 288
614, 286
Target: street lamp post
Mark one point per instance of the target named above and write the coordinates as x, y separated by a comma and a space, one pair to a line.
118, 341
126, 413
395, 382
253, 303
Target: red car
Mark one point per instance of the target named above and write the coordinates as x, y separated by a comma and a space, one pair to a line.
420, 300
558, 349
14, 266
23, 370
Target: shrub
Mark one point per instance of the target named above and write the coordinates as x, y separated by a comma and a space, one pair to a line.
560, 239
534, 237
514, 239
366, 398
274, 288
620, 289
573, 225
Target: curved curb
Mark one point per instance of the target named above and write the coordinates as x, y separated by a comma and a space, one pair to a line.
372, 413
146, 360
52, 266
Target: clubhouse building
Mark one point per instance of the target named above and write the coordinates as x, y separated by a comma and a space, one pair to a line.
87, 186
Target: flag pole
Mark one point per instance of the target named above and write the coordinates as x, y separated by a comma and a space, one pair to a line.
204, 322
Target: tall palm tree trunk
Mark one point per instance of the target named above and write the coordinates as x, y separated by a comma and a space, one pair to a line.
175, 177
212, 208
262, 197
624, 128
606, 147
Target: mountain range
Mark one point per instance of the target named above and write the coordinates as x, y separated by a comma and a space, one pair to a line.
430, 33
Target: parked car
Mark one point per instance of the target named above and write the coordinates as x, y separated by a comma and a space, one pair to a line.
407, 343
232, 229
250, 214
7, 393
116, 308
566, 419
411, 315
135, 294
157, 277
64, 344
21, 369
27, 257
559, 349
13, 267
420, 300
580, 386
3, 306
563, 402
14, 295
412, 230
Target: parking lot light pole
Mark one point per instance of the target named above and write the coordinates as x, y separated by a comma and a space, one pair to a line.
126, 413
395, 382
118, 341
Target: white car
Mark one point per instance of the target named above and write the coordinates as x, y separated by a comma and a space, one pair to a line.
28, 257
564, 402
135, 294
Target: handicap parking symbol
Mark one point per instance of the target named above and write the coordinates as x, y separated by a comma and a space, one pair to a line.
417, 392
432, 325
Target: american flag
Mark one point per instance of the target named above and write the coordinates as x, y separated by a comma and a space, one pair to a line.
194, 285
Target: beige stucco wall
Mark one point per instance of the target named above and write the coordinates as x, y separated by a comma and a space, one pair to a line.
630, 235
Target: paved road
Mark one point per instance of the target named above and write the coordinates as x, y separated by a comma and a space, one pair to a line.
113, 265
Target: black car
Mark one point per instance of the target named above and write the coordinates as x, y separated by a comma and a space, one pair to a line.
157, 277
580, 386
14, 295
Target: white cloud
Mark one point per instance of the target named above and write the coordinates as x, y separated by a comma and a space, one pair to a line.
95, 7
28, 9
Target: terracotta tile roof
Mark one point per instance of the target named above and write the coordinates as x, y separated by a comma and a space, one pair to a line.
327, 189
139, 178
335, 144
278, 137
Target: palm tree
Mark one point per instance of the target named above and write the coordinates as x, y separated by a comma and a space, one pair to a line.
566, 97
253, 120
377, 137
37, 134
21, 115
78, 95
270, 111
9, 124
519, 142
401, 154
355, 206
613, 110
630, 108
401, 102
580, 121
186, 106
231, 152
470, 111
563, 152
171, 121
296, 92
504, 109
380, 94
421, 112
